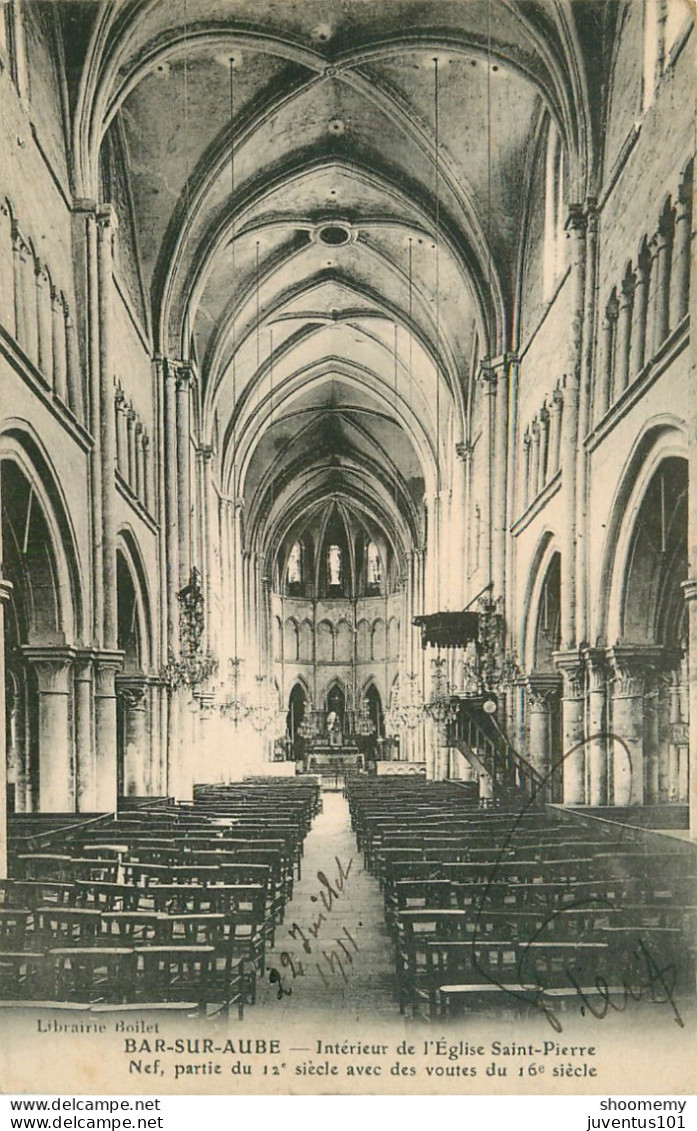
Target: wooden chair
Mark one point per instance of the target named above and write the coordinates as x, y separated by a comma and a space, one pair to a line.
93, 973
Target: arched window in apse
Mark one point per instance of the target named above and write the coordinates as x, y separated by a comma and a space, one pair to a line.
334, 565
374, 565
294, 573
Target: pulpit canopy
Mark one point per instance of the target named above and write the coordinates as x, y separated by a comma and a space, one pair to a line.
448, 630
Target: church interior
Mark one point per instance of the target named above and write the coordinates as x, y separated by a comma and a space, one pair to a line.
348, 443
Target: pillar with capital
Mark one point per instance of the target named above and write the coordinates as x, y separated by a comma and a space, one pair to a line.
570, 664
539, 691
680, 287
107, 664
133, 694
85, 751
44, 323
662, 251
52, 666
598, 674
576, 229
106, 228
631, 665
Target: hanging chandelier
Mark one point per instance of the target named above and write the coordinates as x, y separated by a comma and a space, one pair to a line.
488, 666
407, 710
234, 705
311, 725
263, 709
363, 722
194, 665
441, 708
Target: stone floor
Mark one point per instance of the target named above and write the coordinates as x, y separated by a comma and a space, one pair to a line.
332, 951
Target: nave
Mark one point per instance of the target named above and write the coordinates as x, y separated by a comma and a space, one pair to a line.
268, 900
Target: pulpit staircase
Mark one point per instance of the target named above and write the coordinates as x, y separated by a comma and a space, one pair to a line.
480, 739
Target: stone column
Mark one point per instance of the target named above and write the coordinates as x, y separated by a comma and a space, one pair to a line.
52, 666
172, 507
106, 228
641, 311
121, 433
44, 320
527, 470
147, 490
663, 258
106, 667
535, 459
7, 310
624, 335
631, 666
73, 370
85, 753
544, 447
140, 462
584, 425
31, 325
541, 686
682, 248
136, 772
574, 765
500, 472
604, 382
95, 414
131, 448
58, 377
5, 595
597, 670
576, 229
183, 470
555, 411
19, 265
488, 440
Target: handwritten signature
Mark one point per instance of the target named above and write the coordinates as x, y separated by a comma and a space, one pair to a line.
326, 961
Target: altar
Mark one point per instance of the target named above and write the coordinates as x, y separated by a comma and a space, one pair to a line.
332, 763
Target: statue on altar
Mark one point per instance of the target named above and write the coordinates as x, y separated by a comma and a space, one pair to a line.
334, 729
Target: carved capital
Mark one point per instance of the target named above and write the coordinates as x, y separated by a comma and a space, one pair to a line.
464, 451
107, 665
52, 666
632, 665
540, 689
572, 669
597, 669
132, 692
5, 591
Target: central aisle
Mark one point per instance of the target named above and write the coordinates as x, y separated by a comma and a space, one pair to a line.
350, 964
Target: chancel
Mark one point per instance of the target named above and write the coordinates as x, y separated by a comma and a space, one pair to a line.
348, 454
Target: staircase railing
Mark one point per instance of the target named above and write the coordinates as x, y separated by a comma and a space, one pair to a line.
480, 739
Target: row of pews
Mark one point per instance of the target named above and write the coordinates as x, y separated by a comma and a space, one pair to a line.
521, 909
164, 904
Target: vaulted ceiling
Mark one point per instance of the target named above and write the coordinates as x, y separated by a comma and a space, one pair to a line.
327, 202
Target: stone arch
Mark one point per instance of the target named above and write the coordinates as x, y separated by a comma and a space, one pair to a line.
661, 439
325, 642
291, 640
546, 547
363, 641
20, 448
129, 564
305, 639
343, 642
379, 639
393, 638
